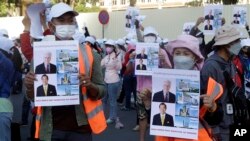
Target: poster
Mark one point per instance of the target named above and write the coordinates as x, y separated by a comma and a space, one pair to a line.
213, 17
130, 17
239, 16
146, 58
187, 27
175, 103
33, 12
56, 67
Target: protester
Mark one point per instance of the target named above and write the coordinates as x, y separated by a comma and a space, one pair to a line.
70, 122
144, 83
8, 76
112, 65
219, 66
186, 56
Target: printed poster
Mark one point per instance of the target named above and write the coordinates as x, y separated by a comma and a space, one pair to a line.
130, 17
33, 12
56, 67
239, 16
213, 17
187, 27
146, 58
175, 103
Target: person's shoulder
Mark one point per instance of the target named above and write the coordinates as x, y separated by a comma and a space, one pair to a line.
157, 115
159, 92
168, 115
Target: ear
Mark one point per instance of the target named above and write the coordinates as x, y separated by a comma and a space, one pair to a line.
52, 28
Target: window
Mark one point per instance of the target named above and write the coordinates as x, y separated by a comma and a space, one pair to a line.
123, 2
114, 2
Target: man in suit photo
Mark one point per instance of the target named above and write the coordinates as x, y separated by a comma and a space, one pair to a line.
209, 16
236, 21
165, 95
142, 55
46, 89
163, 119
208, 26
141, 66
46, 67
237, 14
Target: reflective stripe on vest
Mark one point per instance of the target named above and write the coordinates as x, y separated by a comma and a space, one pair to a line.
215, 90
38, 122
93, 109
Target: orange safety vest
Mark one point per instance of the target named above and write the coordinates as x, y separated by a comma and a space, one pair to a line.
93, 108
215, 90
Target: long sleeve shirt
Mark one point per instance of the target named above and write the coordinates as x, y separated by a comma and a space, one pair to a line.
112, 65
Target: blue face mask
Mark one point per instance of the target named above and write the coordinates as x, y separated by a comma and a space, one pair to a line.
183, 62
235, 48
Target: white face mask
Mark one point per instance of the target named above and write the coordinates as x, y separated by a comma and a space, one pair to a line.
149, 39
235, 48
65, 31
183, 62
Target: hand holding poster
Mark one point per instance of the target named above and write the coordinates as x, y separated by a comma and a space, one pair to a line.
213, 18
146, 58
175, 103
56, 68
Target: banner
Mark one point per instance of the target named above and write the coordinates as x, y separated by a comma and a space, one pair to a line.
146, 58
56, 67
175, 103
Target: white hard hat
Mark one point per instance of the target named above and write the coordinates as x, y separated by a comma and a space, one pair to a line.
110, 42
59, 9
90, 39
150, 30
120, 42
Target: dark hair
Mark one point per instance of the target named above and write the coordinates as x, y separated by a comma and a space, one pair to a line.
163, 104
44, 75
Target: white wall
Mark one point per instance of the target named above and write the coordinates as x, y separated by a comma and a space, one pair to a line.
168, 22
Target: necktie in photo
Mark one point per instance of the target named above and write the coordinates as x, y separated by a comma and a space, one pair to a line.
47, 69
162, 119
45, 90
167, 97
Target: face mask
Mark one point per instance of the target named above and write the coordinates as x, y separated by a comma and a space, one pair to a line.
65, 31
149, 39
183, 62
235, 48
109, 50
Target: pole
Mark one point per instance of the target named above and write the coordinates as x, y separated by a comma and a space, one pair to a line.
103, 31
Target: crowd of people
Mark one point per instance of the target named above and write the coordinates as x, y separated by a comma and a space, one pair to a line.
111, 80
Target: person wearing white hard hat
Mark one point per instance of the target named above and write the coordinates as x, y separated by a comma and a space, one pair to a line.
91, 42
72, 122
112, 64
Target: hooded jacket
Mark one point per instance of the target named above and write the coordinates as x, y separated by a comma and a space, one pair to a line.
214, 67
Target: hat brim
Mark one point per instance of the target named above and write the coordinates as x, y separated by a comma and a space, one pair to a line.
64, 12
226, 41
